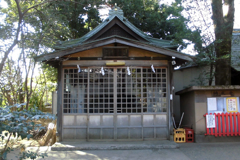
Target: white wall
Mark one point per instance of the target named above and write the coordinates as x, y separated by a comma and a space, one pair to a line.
184, 78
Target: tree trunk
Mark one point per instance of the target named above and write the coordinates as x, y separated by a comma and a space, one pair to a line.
6, 55
210, 74
223, 26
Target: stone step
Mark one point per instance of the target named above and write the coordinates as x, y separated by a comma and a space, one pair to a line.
71, 145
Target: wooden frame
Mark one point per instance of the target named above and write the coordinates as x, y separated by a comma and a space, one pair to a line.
132, 91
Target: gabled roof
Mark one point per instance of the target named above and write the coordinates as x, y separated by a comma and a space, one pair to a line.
95, 38
115, 13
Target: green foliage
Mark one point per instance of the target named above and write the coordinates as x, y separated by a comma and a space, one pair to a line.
13, 90
31, 155
46, 84
34, 27
49, 72
68, 22
93, 19
19, 123
36, 99
11, 83
159, 21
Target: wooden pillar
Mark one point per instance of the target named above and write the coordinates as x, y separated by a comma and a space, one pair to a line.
170, 101
59, 103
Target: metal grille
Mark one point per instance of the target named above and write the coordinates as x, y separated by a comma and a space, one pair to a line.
92, 92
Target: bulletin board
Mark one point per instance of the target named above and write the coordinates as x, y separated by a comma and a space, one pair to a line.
232, 104
223, 104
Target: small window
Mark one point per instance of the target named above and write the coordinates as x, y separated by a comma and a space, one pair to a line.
115, 52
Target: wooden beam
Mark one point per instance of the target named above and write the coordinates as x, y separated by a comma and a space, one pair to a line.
115, 58
148, 63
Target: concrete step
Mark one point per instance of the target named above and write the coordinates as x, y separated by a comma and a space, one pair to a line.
72, 145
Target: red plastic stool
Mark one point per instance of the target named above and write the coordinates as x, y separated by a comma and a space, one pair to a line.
189, 135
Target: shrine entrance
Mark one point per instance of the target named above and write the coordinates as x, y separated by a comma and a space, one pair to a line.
116, 103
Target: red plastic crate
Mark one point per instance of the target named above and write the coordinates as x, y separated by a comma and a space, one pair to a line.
189, 135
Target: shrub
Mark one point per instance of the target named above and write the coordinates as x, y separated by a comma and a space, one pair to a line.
20, 123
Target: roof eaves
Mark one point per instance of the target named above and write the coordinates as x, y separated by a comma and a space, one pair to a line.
115, 36
72, 46
190, 56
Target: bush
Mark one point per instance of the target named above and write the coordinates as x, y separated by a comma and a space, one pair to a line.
20, 123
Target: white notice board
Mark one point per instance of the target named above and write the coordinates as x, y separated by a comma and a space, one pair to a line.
212, 104
210, 121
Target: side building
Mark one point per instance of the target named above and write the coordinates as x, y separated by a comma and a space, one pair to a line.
191, 83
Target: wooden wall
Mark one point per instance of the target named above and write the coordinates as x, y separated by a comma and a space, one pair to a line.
133, 52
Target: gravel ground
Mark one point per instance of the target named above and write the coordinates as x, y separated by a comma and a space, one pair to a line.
187, 151
211, 151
